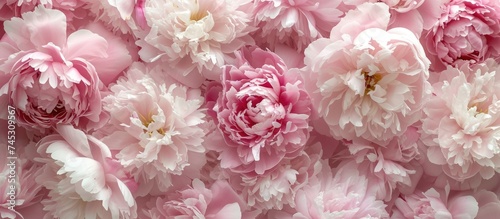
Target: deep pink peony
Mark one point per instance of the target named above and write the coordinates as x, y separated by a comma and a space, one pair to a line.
83, 179
51, 78
294, 23
262, 113
462, 119
365, 81
219, 201
466, 30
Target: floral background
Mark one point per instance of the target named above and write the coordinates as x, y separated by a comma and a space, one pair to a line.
302, 109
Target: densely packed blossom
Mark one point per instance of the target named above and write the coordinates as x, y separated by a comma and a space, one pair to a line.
466, 30
159, 126
253, 109
262, 112
48, 77
367, 83
462, 119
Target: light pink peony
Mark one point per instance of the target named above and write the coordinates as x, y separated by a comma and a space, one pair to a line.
294, 23
262, 113
219, 201
462, 119
83, 179
365, 81
51, 78
347, 194
415, 15
489, 204
159, 126
115, 14
466, 30
194, 36
435, 204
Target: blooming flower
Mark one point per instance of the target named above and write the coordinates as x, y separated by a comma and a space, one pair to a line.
462, 119
294, 23
466, 30
194, 35
434, 204
49, 78
220, 201
159, 126
347, 194
100, 190
365, 81
262, 113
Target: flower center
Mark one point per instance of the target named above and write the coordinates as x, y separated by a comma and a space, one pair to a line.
371, 81
146, 121
198, 15
478, 109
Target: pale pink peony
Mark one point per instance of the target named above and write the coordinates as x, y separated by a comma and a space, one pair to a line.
461, 121
51, 78
194, 36
394, 166
219, 201
347, 194
83, 179
118, 15
294, 23
262, 113
365, 81
156, 128
489, 204
277, 187
15, 8
466, 30
435, 204
415, 15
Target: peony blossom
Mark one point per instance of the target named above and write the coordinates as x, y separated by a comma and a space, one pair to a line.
434, 204
466, 30
160, 127
195, 35
102, 189
461, 121
347, 194
116, 14
218, 201
49, 78
294, 23
365, 81
262, 113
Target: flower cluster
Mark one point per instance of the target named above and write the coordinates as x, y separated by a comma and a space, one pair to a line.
250, 109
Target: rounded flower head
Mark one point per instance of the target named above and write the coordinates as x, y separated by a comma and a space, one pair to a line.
51, 79
83, 180
158, 124
462, 119
347, 194
262, 112
434, 204
218, 201
194, 34
466, 30
366, 81
294, 23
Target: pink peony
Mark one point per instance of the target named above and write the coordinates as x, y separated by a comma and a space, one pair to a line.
159, 126
461, 121
219, 201
51, 78
365, 81
194, 36
489, 204
294, 23
466, 30
434, 204
415, 15
347, 194
262, 113
83, 180
115, 14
